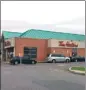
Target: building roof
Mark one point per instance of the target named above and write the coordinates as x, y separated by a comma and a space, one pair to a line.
42, 34
8, 34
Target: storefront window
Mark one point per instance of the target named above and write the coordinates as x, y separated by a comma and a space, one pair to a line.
30, 51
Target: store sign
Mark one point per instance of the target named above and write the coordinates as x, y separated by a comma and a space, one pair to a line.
7, 43
61, 43
68, 43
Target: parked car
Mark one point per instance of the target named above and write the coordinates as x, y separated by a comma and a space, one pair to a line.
23, 60
57, 58
77, 59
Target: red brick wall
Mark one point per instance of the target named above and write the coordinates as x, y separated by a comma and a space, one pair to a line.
42, 48
81, 51
60, 50
41, 45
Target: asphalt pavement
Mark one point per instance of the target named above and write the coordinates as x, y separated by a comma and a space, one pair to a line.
42, 76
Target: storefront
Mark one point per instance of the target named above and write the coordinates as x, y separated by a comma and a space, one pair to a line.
39, 48
9, 48
35, 48
67, 47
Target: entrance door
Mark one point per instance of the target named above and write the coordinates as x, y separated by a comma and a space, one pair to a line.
74, 52
31, 52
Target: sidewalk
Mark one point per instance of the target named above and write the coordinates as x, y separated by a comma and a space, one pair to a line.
4, 62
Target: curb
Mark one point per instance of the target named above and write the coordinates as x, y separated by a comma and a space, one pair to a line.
9, 62
77, 71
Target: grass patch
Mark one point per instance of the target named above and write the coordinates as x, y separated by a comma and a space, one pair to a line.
79, 68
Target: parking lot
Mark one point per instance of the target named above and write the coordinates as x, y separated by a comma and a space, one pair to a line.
42, 76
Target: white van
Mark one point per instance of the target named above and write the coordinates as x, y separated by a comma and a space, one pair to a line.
57, 58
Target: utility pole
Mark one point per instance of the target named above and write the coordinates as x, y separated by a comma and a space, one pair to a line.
2, 48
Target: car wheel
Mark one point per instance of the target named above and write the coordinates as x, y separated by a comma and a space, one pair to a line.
67, 61
53, 61
75, 60
16, 62
33, 62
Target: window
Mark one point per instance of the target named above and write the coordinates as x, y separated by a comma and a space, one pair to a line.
33, 56
26, 52
58, 55
33, 48
62, 55
54, 55
33, 51
30, 51
25, 48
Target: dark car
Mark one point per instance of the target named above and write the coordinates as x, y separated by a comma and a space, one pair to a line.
23, 60
77, 59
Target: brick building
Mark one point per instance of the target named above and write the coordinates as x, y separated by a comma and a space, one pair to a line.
39, 43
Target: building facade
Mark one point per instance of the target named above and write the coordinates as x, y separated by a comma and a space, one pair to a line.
39, 48
43, 47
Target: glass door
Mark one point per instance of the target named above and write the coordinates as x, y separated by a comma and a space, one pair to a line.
74, 52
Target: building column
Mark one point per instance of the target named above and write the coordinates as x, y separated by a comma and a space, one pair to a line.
14, 52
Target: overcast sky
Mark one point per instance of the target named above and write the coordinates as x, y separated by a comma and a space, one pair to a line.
60, 16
